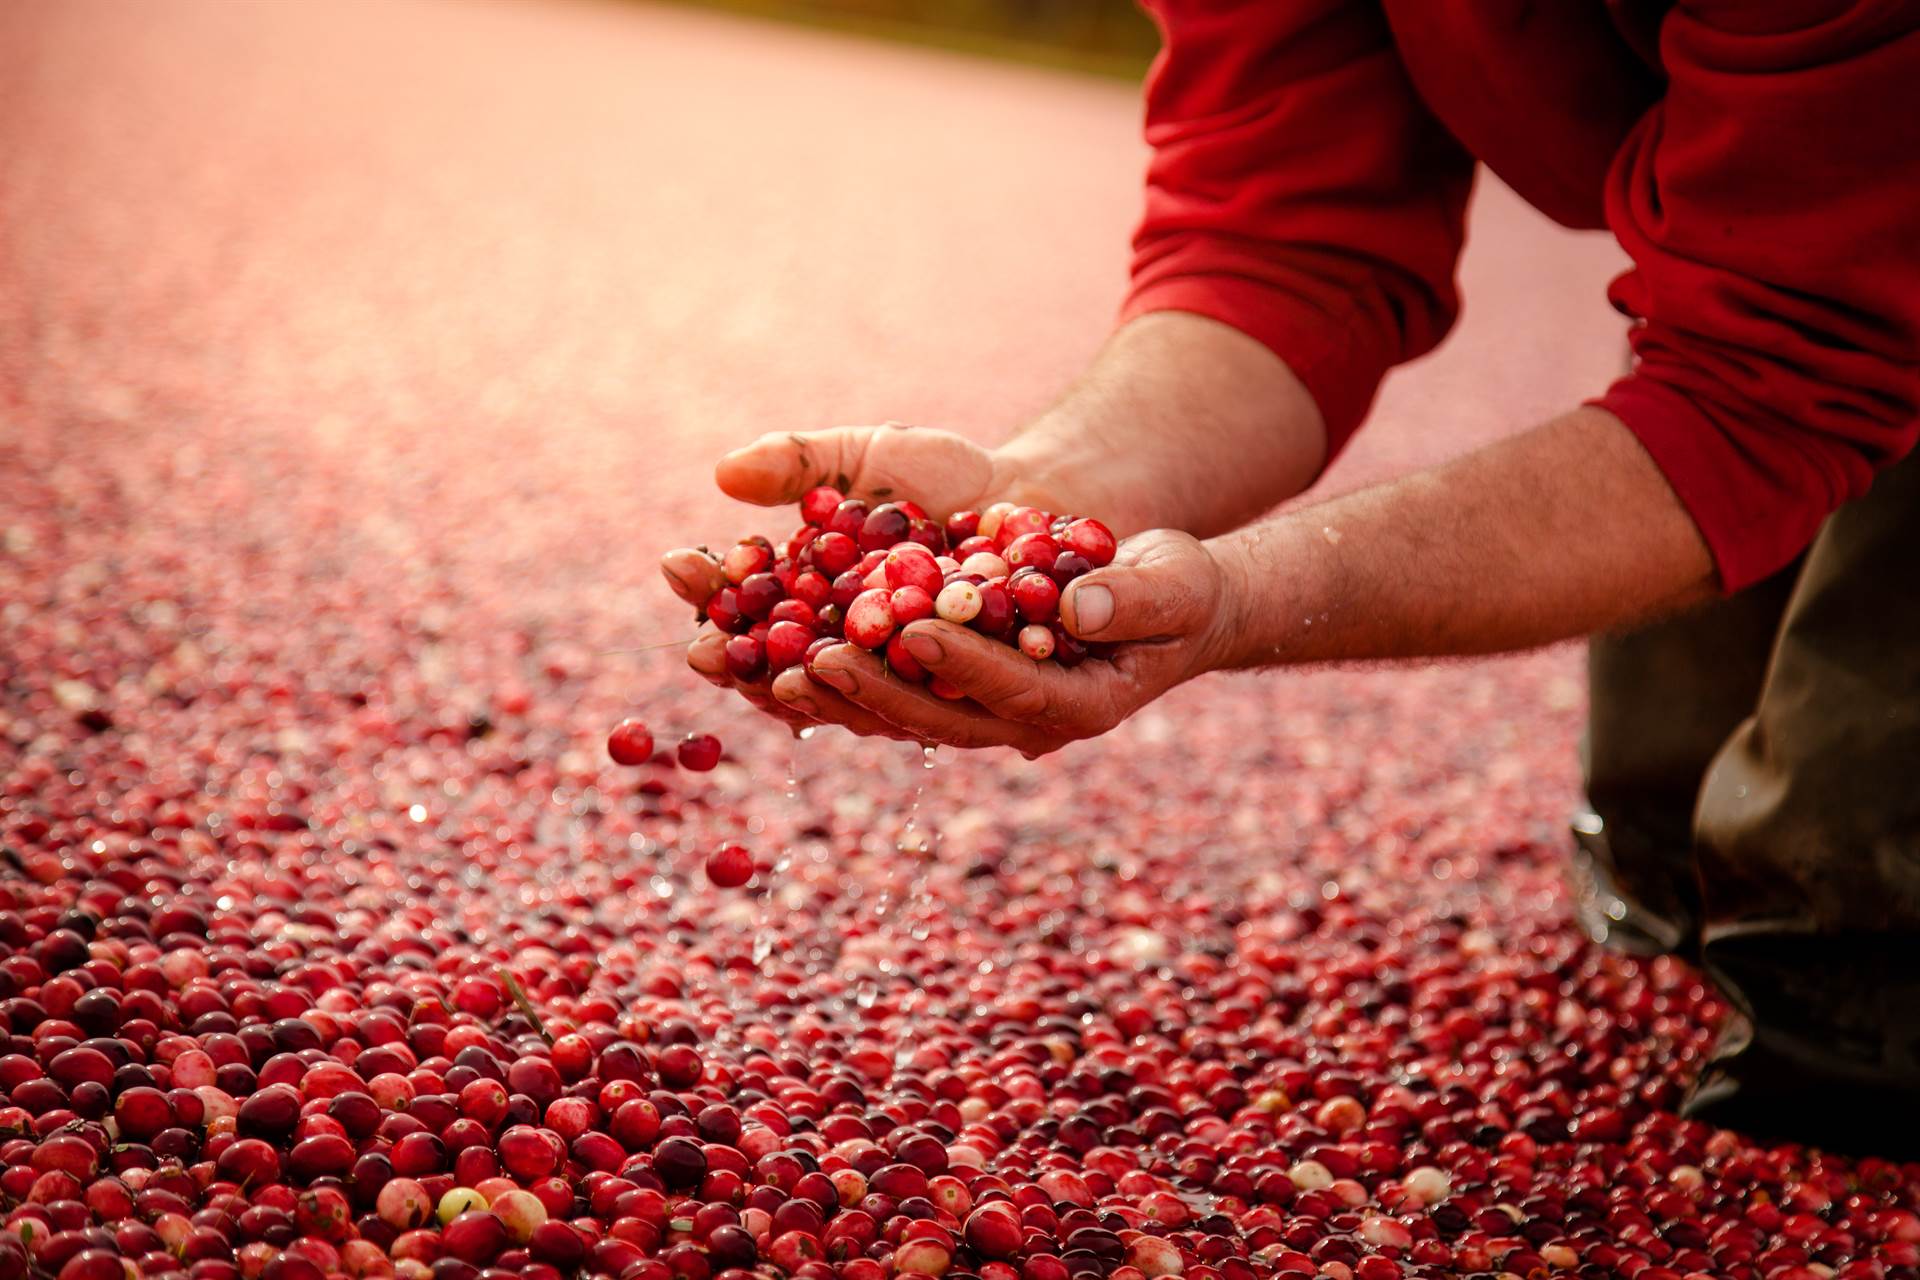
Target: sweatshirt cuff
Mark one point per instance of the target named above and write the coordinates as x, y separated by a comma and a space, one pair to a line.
1754, 524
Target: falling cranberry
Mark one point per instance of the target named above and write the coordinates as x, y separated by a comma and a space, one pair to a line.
631, 742
729, 866
699, 752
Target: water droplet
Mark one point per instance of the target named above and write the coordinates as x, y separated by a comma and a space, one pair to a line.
927, 759
809, 731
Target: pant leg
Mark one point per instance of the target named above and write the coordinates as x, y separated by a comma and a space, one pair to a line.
1808, 839
1663, 699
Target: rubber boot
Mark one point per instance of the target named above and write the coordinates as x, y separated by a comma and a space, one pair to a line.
1808, 840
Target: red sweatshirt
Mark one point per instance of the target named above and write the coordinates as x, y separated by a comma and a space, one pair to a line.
1759, 160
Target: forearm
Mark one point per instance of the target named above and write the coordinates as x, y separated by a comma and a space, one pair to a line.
1181, 422
1561, 531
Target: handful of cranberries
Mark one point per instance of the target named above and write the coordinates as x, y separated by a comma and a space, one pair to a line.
859, 574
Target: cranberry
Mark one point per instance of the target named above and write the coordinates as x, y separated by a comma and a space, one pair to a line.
909, 604
870, 619
1035, 595
630, 743
848, 519
786, 645
958, 601
1036, 642
1033, 550
1090, 539
884, 526
817, 504
835, 554
729, 866
698, 752
746, 657
996, 615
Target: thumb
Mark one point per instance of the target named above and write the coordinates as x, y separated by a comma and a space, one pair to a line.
1162, 585
941, 471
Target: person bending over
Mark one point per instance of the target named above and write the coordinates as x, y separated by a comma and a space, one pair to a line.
1732, 521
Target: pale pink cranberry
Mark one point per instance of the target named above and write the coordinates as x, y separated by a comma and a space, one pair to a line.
1036, 641
988, 526
958, 602
869, 619
986, 564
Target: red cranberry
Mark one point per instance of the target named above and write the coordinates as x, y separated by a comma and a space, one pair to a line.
630, 743
817, 504
698, 752
1035, 595
787, 644
884, 526
746, 657
729, 866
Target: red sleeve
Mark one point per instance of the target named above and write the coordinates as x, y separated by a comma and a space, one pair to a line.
1771, 205
1299, 192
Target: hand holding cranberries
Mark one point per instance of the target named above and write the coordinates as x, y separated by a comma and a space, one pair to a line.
869, 572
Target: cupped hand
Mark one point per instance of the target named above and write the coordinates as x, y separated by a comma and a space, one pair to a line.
1165, 602
941, 471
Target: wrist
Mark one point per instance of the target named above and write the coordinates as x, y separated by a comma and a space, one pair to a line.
1074, 467
1181, 423
1276, 602
1224, 646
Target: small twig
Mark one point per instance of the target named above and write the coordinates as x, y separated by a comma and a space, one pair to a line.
646, 648
519, 995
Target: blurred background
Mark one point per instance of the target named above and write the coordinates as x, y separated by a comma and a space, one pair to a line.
1113, 37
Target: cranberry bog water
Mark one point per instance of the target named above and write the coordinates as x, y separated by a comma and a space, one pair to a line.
347, 395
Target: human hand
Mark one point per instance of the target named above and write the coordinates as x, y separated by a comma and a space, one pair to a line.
941, 471
1166, 602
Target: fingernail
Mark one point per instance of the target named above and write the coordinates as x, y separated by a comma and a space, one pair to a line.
839, 677
924, 647
1092, 608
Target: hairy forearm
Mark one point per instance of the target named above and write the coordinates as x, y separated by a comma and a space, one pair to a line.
1181, 422
1564, 530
